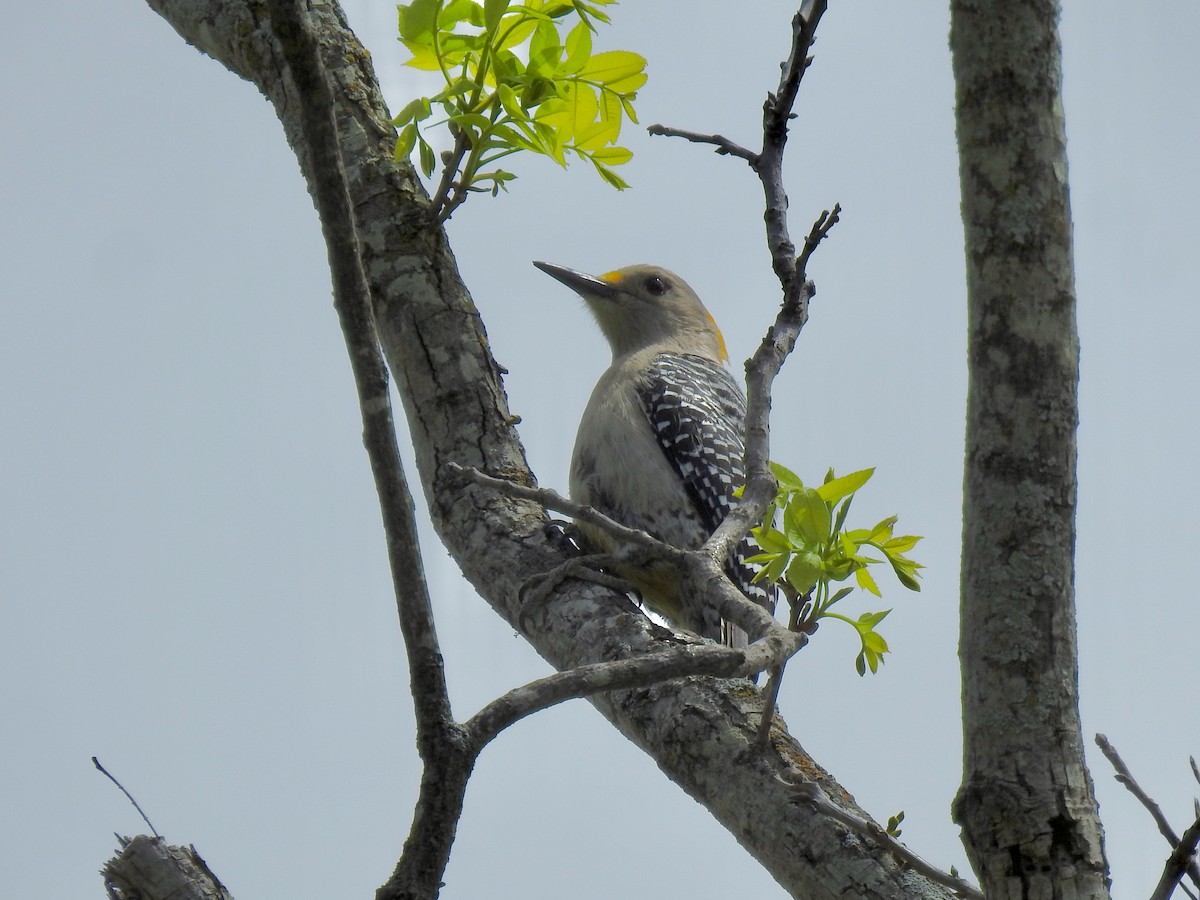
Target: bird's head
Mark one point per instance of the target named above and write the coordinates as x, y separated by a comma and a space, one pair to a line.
645, 306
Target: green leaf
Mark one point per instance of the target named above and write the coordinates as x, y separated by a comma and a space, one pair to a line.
618, 70
493, 12
405, 142
610, 113
454, 48
425, 153
544, 49
417, 21
803, 572
611, 177
423, 58
772, 540
473, 124
510, 103
901, 544
453, 94
627, 105
883, 530
841, 594
834, 490
907, 574
579, 49
514, 31
570, 113
787, 479
774, 570
867, 582
613, 156
454, 12
840, 522
874, 642
869, 620
414, 111
806, 518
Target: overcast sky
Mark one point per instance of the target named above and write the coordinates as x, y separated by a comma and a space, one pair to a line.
192, 572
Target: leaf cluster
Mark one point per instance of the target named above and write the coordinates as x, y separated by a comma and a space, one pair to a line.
806, 549
513, 83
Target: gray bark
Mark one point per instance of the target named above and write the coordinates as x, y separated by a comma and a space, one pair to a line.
1027, 807
148, 868
700, 731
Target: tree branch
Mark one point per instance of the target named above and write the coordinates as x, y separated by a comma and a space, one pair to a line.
724, 146
811, 794
446, 767
1181, 860
1125, 777
584, 681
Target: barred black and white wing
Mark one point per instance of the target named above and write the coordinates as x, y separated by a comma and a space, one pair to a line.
698, 414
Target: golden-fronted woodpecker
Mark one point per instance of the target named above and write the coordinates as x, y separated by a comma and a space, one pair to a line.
661, 441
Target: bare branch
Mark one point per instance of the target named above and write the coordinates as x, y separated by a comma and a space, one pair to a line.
813, 795
1181, 860
555, 501
1125, 777
129, 796
439, 806
724, 146
818, 233
583, 681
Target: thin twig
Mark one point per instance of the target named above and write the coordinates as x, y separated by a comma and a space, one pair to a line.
443, 202
552, 500
1125, 777
819, 231
812, 794
724, 146
107, 774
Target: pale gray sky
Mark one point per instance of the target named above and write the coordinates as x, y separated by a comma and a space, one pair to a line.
192, 574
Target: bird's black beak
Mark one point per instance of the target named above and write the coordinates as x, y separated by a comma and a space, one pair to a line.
580, 283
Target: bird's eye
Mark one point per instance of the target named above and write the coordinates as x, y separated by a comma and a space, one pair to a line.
656, 286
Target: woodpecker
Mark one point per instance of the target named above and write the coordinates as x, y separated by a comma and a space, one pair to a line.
661, 442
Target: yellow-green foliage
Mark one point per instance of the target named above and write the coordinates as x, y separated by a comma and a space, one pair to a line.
514, 83
806, 548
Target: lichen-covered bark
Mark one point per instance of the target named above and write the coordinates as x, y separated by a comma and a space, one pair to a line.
700, 731
1027, 808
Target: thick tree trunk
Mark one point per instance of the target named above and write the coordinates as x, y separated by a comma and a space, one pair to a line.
1027, 807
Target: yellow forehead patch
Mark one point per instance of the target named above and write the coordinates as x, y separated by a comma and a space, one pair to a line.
612, 277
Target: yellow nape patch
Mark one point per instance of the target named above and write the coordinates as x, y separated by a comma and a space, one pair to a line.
720, 337
612, 277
